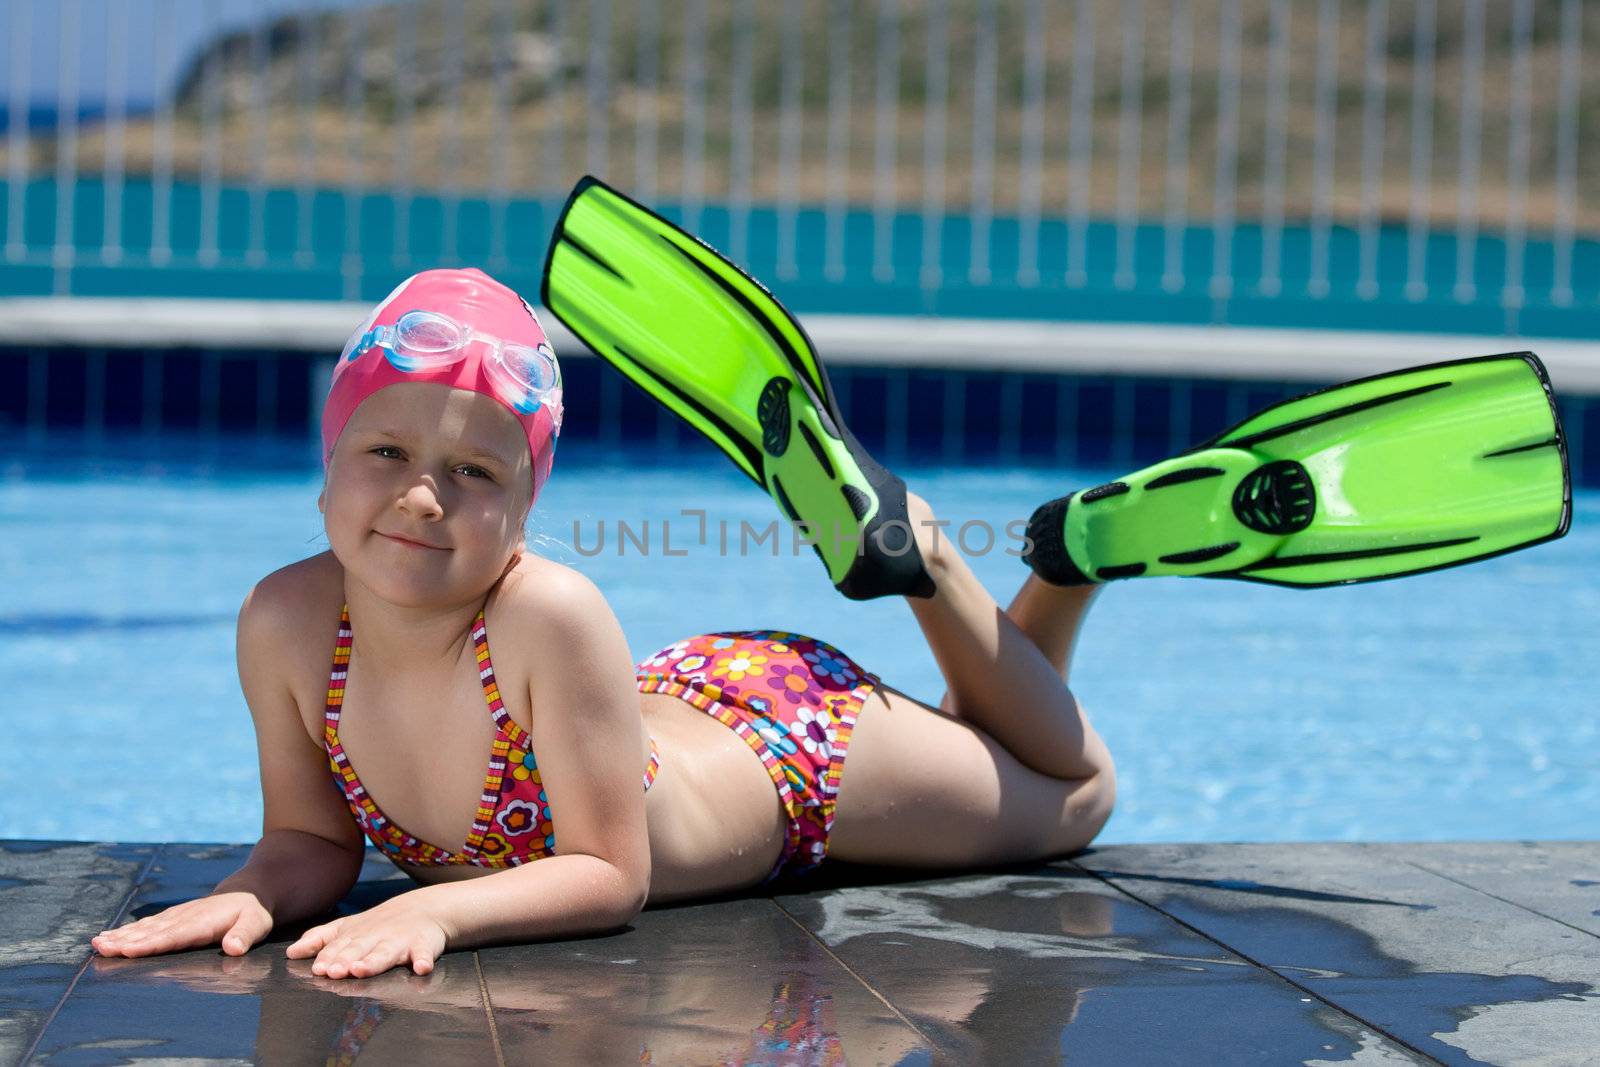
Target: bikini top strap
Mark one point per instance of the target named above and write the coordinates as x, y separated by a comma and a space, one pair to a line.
340, 672
491, 688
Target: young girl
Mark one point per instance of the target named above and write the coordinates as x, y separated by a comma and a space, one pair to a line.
716, 764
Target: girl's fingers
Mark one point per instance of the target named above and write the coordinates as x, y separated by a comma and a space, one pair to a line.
140, 938
389, 954
192, 924
107, 944
312, 941
143, 938
353, 952
359, 958
377, 961
335, 958
121, 935
247, 929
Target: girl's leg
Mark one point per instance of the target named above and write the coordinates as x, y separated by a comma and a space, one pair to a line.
1013, 772
1007, 670
1051, 617
923, 789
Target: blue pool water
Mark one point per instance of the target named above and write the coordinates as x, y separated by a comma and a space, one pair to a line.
1447, 706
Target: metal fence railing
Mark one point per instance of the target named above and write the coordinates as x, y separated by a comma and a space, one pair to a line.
1385, 163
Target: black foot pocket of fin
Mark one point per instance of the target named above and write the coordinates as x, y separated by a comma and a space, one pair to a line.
1048, 555
905, 576
888, 562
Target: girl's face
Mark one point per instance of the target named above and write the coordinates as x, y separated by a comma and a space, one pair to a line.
444, 469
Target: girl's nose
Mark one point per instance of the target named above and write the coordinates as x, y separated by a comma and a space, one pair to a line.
421, 498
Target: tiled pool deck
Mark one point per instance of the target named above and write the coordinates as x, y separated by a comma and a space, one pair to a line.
1454, 953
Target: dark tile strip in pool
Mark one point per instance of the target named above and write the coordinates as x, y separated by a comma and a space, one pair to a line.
733, 981
1049, 962
54, 896
262, 1007
923, 414
1458, 974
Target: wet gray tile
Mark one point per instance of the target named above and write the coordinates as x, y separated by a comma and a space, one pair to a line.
729, 982
54, 896
1012, 967
1460, 975
262, 1007
1040, 965
1560, 879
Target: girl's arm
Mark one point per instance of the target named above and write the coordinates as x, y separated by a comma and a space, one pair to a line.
589, 737
310, 850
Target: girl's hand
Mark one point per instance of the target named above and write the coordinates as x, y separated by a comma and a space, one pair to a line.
236, 919
396, 932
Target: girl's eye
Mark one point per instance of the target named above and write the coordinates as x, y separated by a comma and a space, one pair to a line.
474, 470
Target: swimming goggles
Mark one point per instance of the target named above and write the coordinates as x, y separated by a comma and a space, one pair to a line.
526, 377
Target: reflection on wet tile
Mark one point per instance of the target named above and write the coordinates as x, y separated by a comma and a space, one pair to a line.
734, 982
54, 896
1356, 948
1560, 879
1033, 966
1449, 970
262, 1007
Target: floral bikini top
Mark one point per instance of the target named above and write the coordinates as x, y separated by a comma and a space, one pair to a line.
513, 824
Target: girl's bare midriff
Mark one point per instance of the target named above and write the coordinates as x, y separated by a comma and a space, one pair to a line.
716, 823
421, 747
715, 820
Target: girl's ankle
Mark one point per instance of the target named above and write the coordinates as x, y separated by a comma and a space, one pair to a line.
931, 535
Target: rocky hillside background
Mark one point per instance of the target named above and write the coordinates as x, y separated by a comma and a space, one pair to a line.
517, 98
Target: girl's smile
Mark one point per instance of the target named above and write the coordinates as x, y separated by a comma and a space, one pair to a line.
410, 543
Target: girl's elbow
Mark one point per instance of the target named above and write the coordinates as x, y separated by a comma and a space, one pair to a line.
1086, 813
638, 891
630, 889
1102, 802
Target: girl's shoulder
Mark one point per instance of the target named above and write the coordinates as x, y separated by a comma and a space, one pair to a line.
538, 591
303, 593
544, 612
293, 613
541, 604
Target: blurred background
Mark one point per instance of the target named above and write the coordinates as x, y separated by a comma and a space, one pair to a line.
1414, 165
1039, 244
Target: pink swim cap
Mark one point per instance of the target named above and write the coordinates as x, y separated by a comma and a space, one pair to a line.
490, 311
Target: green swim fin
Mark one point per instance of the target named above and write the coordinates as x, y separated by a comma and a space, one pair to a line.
717, 349
1390, 475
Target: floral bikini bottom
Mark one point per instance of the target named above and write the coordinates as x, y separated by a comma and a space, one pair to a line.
793, 699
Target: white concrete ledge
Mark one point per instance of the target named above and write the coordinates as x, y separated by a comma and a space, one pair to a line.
159, 322
1067, 347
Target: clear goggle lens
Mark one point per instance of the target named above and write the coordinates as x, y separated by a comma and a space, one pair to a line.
423, 333
527, 377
